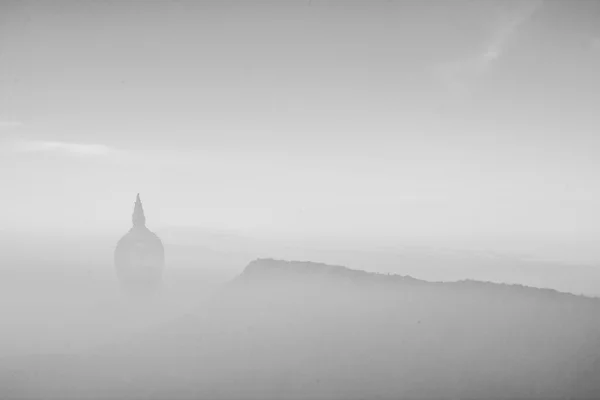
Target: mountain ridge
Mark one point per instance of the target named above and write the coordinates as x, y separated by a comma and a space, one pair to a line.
272, 268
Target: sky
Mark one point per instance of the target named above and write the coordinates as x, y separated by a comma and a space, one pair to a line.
459, 121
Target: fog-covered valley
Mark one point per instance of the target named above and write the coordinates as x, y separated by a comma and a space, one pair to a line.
366, 199
225, 326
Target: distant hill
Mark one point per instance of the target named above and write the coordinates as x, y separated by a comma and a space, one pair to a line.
227, 253
423, 262
300, 330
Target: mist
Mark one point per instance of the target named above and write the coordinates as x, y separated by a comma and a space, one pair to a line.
303, 199
422, 139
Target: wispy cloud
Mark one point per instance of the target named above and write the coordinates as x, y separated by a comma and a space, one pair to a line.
459, 75
80, 149
4, 124
138, 158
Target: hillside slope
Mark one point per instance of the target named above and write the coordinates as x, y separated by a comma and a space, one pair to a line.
294, 330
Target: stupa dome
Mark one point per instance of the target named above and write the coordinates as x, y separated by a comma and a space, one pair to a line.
139, 255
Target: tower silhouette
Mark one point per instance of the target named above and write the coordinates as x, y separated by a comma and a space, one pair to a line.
139, 256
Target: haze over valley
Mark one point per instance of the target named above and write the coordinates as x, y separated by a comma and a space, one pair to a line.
319, 199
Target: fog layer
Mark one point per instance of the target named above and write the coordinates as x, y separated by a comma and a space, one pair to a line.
301, 330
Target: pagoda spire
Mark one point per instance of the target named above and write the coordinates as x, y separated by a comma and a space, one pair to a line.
138, 218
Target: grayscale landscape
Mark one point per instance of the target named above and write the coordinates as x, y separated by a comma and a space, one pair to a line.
305, 199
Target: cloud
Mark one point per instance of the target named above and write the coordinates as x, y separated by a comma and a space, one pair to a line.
459, 75
4, 124
63, 147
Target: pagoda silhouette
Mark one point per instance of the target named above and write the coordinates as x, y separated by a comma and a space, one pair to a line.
139, 256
